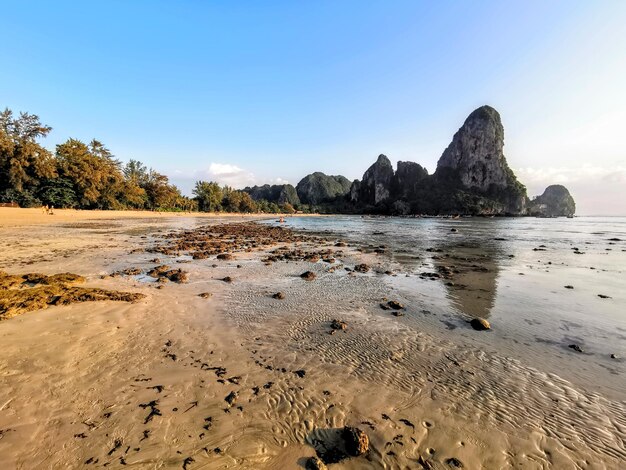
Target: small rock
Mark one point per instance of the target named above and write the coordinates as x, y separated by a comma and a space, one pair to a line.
177, 275
453, 230
398, 313
576, 348
225, 256
394, 304
308, 276
602, 296
362, 268
613, 356
569, 287
313, 463
300, 373
206, 295
356, 441
480, 324
338, 325
454, 462
231, 398
279, 296
227, 279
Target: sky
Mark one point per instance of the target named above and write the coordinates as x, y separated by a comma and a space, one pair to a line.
254, 92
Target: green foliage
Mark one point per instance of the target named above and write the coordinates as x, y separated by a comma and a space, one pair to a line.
209, 196
58, 192
23, 161
318, 188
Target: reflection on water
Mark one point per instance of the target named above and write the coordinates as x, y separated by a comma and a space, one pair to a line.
469, 275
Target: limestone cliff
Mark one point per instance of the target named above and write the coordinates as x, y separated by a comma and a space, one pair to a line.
407, 180
318, 188
474, 161
376, 183
278, 193
556, 201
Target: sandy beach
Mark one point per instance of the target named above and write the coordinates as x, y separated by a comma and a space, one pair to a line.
209, 368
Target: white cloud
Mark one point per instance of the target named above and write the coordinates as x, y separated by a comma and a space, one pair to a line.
231, 175
587, 173
596, 189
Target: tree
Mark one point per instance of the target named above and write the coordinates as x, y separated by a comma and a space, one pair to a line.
97, 176
160, 194
247, 204
58, 192
209, 196
24, 163
231, 200
137, 172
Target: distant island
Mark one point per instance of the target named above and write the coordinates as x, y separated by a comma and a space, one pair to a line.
472, 178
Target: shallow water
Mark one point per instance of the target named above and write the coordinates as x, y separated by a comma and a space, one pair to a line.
513, 271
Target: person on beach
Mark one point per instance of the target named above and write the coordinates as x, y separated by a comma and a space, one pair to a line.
51, 211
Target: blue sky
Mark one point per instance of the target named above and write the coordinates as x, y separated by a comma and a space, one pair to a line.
255, 92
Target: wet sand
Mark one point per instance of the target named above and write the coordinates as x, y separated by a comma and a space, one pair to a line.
240, 379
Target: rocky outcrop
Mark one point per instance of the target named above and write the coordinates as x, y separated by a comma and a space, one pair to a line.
556, 201
376, 183
407, 179
476, 151
318, 188
278, 193
474, 162
472, 177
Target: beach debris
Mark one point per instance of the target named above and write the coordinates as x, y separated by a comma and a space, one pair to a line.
453, 230
158, 271
454, 463
225, 256
300, 373
188, 461
314, 463
227, 279
407, 422
279, 295
154, 411
308, 276
205, 295
362, 268
613, 356
576, 348
231, 398
34, 291
356, 441
480, 324
602, 296
426, 465
395, 305
116, 445
164, 273
177, 275
338, 325
129, 272
569, 287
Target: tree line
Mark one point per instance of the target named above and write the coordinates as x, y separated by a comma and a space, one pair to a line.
88, 176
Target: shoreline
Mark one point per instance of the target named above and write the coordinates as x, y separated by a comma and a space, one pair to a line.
381, 374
